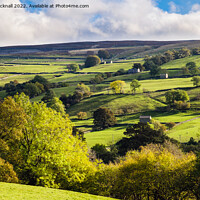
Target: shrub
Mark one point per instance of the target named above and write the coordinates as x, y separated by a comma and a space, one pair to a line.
170, 125
82, 115
180, 105
7, 174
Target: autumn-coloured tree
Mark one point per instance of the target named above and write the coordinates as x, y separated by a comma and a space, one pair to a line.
117, 86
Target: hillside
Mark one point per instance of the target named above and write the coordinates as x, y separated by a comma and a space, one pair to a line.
119, 49
10, 191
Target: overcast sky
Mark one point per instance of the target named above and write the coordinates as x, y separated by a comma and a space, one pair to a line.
103, 20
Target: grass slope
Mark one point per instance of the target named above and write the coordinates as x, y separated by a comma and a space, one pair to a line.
137, 103
179, 63
23, 192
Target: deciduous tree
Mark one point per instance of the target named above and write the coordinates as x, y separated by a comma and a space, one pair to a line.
103, 118
117, 86
92, 61
135, 84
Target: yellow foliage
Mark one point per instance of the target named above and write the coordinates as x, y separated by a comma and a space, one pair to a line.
117, 86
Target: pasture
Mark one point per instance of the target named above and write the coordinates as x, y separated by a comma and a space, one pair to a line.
26, 192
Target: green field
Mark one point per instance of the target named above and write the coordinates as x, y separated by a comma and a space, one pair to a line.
179, 63
114, 67
166, 84
136, 103
10, 191
32, 68
106, 137
186, 130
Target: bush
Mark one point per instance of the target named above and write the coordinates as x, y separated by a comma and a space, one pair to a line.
155, 172
181, 105
7, 174
82, 115
170, 125
107, 155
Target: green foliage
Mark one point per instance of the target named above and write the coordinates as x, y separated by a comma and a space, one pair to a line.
170, 125
57, 105
117, 86
196, 51
138, 66
154, 172
141, 134
103, 118
50, 155
49, 95
155, 70
134, 85
107, 155
192, 68
103, 54
176, 95
181, 105
196, 80
12, 122
92, 61
73, 67
83, 89
158, 126
42, 80
7, 174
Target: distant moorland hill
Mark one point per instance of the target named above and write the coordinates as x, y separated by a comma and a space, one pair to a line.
119, 49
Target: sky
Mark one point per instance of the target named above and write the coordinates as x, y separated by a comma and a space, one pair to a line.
103, 20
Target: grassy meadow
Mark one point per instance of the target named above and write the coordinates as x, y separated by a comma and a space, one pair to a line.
13, 191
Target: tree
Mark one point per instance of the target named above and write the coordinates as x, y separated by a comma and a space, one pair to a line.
155, 172
196, 81
42, 80
134, 85
32, 90
117, 86
155, 69
103, 153
192, 67
138, 66
57, 105
50, 155
12, 124
92, 61
49, 95
140, 134
196, 51
84, 89
73, 67
7, 174
148, 64
169, 55
176, 95
103, 54
103, 118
